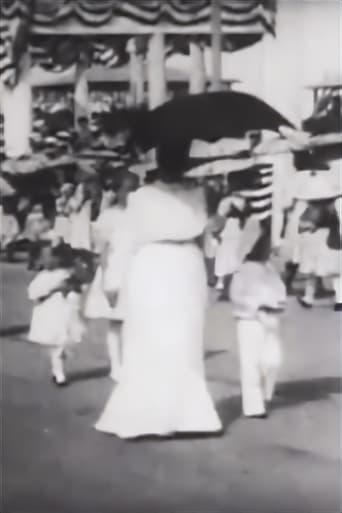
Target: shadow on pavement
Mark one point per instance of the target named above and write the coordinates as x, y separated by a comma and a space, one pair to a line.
213, 354
229, 410
287, 394
88, 374
179, 437
11, 331
295, 392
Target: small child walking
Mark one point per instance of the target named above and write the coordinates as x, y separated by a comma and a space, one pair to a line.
99, 303
258, 296
56, 321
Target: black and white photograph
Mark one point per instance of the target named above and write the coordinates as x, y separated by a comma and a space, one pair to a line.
170, 256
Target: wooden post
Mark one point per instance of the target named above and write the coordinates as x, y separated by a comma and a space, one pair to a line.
131, 49
156, 71
216, 45
197, 70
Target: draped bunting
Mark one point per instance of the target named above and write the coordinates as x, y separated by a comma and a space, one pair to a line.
2, 140
7, 68
147, 12
56, 54
253, 17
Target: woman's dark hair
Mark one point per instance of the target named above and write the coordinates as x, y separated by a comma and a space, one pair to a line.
213, 198
173, 161
132, 180
121, 176
151, 176
61, 252
82, 120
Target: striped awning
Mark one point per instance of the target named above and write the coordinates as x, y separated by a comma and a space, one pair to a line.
171, 14
2, 142
38, 25
7, 67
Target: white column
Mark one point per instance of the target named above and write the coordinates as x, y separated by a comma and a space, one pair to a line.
137, 73
156, 71
140, 83
81, 93
16, 105
216, 45
197, 68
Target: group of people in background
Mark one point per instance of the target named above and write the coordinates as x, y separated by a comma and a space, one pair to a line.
75, 240
314, 237
146, 276
311, 243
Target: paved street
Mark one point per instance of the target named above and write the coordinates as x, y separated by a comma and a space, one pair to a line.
55, 462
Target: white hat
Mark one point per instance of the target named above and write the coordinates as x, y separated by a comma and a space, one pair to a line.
224, 147
38, 123
226, 166
64, 135
53, 141
320, 186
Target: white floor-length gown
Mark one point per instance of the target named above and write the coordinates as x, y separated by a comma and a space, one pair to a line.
161, 274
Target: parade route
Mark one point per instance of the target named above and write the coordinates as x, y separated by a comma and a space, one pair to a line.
55, 462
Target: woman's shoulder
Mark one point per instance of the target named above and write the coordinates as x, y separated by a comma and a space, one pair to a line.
108, 214
159, 200
142, 196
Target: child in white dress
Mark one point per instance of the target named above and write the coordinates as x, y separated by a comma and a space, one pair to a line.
9, 229
56, 322
258, 295
62, 223
320, 255
98, 301
228, 259
79, 208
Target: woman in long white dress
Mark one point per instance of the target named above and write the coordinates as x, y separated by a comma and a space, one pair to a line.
160, 270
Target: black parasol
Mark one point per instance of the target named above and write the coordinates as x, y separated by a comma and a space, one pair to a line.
208, 117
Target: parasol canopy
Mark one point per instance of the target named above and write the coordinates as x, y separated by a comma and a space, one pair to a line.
208, 117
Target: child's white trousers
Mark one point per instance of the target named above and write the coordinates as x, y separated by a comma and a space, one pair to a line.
260, 359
